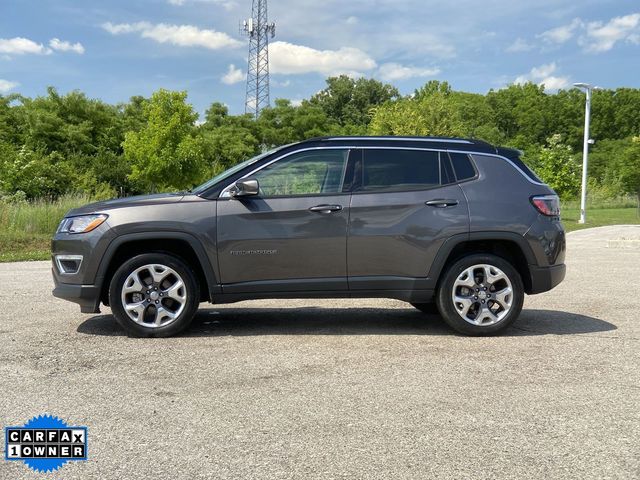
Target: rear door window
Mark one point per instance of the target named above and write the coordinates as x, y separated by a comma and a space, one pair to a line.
397, 170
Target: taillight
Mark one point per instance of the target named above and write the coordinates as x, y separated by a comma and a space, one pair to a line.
548, 205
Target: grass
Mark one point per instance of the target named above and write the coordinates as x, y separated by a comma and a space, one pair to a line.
16, 246
26, 228
598, 217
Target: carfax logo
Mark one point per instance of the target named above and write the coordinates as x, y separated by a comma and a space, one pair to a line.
45, 443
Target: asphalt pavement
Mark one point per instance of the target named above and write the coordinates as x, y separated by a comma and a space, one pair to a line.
353, 389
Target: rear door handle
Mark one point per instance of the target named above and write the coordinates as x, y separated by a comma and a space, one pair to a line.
442, 203
326, 208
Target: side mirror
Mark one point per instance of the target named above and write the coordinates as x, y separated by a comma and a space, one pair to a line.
245, 187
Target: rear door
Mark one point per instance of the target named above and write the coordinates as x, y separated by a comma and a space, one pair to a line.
404, 205
292, 236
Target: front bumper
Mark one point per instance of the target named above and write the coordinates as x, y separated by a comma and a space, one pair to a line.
544, 279
87, 296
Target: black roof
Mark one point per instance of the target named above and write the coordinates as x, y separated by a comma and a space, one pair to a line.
448, 143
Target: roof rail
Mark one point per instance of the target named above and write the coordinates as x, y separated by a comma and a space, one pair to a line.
404, 138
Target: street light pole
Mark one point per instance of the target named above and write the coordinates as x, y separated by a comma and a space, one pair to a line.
585, 148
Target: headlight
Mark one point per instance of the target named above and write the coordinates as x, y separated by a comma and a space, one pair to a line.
82, 224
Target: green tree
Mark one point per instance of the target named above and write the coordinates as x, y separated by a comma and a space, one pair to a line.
9, 122
285, 123
557, 167
166, 153
34, 173
132, 114
628, 169
522, 114
433, 87
216, 115
69, 124
350, 102
428, 115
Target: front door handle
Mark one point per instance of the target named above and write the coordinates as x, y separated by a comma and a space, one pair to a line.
326, 208
442, 203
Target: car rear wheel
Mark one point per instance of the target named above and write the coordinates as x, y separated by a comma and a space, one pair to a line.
154, 295
480, 294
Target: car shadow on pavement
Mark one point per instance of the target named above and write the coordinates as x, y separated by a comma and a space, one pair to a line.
351, 321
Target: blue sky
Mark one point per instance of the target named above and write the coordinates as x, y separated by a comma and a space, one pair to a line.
118, 48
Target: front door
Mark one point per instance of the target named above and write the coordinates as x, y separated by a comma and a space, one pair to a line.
405, 204
292, 235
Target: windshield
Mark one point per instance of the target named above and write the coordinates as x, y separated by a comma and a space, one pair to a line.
232, 170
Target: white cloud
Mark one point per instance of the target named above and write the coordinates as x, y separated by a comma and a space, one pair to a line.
181, 35
64, 46
288, 58
543, 75
226, 4
563, 33
394, 71
6, 85
120, 28
543, 70
233, 75
597, 37
553, 83
601, 37
22, 46
520, 45
276, 83
352, 20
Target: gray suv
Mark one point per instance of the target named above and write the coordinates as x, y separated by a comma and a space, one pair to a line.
450, 223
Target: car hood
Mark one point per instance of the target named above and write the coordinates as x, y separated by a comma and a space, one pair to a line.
98, 207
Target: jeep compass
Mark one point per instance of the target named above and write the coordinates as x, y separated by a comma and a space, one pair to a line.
447, 223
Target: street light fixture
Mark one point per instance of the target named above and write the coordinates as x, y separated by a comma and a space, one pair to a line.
588, 89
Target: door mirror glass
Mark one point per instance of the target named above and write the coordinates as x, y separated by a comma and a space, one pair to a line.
245, 187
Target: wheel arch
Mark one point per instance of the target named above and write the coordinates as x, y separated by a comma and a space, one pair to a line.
509, 246
179, 244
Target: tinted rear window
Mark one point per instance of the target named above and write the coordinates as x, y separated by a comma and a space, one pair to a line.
400, 170
462, 166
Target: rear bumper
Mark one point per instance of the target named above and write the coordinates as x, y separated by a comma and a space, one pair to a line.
544, 279
87, 296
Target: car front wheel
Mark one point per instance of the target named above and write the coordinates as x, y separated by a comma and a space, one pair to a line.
480, 294
154, 295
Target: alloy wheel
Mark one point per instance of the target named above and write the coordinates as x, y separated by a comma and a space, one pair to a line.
154, 295
482, 295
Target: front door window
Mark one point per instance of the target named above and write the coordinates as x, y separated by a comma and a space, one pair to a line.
305, 173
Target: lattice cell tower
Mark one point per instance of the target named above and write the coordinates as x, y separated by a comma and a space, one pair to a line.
259, 30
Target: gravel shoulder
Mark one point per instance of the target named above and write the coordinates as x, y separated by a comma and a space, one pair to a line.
340, 388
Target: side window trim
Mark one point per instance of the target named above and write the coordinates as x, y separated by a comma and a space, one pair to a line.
225, 192
447, 166
353, 168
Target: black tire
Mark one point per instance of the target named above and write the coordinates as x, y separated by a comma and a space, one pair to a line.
428, 308
446, 305
191, 290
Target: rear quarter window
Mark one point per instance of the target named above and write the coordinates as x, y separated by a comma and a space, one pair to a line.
462, 166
